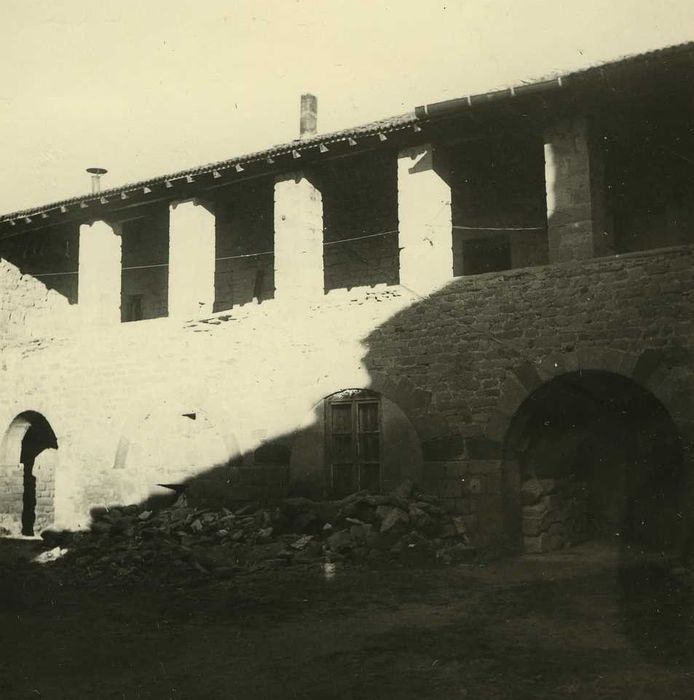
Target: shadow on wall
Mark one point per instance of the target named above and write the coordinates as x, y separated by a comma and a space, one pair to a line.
50, 256
436, 369
352, 439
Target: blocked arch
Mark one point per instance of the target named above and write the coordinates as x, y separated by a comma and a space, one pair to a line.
198, 451
216, 415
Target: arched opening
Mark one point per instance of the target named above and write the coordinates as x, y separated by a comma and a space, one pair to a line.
592, 455
354, 439
28, 473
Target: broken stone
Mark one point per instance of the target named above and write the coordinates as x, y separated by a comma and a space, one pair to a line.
340, 541
264, 535
302, 542
395, 519
405, 489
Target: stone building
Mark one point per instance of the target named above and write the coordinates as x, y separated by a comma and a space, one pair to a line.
491, 296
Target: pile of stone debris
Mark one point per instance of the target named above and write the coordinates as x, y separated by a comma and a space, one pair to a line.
404, 526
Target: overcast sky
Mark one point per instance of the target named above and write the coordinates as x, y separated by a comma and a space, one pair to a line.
147, 87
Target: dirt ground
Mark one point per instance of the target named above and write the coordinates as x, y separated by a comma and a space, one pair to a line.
591, 622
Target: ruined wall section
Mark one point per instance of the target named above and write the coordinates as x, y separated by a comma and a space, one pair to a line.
30, 308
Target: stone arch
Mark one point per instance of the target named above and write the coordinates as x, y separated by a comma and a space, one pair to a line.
606, 445
667, 375
404, 393
399, 445
171, 444
28, 460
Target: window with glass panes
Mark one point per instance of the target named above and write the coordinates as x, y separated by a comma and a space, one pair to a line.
353, 420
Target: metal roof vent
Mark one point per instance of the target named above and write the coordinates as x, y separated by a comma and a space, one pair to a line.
96, 174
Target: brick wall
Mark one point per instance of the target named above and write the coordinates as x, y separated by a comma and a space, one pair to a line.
244, 227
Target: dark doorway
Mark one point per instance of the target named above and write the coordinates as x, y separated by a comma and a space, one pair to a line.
28, 437
597, 457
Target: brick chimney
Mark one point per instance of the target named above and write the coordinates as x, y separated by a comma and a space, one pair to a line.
308, 123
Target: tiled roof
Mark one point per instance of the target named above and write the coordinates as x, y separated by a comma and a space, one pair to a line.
384, 126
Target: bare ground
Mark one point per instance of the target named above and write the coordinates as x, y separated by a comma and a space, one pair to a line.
591, 622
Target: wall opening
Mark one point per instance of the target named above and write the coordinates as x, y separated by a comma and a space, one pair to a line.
145, 266
648, 173
354, 439
244, 248
27, 503
498, 204
51, 255
597, 457
360, 220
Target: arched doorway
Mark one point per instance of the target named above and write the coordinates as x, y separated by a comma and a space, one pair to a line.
593, 455
354, 439
28, 469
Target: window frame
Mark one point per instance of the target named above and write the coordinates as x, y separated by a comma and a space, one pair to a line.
354, 398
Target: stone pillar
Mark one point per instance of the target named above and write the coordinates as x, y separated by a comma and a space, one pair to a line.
191, 259
425, 227
99, 281
298, 239
575, 191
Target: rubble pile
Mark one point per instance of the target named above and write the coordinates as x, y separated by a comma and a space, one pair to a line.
404, 526
554, 514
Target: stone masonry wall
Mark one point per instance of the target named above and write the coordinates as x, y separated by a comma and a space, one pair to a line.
257, 372
28, 306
